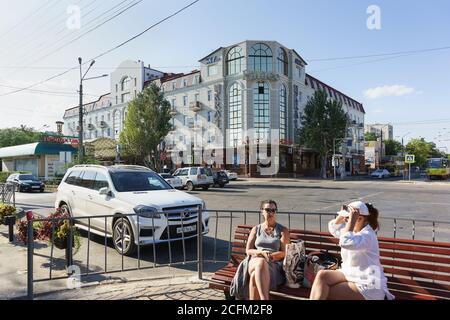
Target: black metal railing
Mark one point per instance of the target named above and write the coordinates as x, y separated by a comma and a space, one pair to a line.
8, 193
171, 247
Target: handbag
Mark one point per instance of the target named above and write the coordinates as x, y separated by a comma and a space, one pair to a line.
316, 261
294, 263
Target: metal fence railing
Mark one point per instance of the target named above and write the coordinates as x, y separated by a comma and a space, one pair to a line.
8, 193
192, 239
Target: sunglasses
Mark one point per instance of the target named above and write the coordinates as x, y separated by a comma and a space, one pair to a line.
270, 210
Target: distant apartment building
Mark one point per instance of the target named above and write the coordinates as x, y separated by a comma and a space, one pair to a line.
253, 86
385, 130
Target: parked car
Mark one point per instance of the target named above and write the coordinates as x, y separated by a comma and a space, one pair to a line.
232, 176
173, 181
380, 174
91, 190
26, 182
220, 178
195, 177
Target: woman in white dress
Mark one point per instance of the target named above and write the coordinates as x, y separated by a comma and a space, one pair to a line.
361, 276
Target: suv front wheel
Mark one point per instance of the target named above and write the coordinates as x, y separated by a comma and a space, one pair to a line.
190, 186
123, 237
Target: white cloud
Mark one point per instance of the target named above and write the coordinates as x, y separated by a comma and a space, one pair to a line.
388, 91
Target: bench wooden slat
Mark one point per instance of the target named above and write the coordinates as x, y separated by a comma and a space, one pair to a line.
413, 256
417, 274
410, 248
419, 290
419, 283
415, 265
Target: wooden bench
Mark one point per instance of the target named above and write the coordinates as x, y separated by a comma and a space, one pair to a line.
416, 270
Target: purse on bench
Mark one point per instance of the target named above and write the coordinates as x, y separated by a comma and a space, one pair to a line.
316, 261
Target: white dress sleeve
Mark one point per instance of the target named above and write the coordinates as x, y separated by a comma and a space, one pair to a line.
335, 229
356, 241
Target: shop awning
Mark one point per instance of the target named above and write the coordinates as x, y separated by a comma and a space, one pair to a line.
34, 149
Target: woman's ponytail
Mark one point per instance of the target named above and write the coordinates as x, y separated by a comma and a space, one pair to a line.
373, 217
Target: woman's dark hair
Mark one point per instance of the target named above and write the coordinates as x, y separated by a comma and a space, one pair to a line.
263, 203
373, 216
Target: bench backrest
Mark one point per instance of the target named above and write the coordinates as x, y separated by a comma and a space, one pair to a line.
414, 268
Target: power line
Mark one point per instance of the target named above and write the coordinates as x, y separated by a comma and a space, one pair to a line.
31, 14
85, 33
42, 45
50, 92
381, 54
30, 39
104, 53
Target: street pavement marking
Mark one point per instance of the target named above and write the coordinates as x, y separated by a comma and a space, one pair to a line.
350, 200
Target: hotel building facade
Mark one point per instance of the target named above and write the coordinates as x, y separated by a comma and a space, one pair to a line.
250, 93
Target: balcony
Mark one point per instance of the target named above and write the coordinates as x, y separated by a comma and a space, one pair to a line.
173, 112
195, 106
103, 124
91, 126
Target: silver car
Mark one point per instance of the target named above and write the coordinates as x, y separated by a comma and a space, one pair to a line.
195, 177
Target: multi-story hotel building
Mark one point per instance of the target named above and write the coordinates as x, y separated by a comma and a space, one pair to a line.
241, 95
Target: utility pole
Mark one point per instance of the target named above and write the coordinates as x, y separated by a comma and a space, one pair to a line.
81, 111
80, 119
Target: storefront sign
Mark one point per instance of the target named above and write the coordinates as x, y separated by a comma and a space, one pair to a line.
61, 140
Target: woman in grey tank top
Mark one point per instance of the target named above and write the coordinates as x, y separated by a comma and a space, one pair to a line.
266, 248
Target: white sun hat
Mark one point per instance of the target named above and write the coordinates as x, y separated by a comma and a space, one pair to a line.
359, 205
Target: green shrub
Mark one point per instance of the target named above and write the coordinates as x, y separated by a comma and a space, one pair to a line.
6, 210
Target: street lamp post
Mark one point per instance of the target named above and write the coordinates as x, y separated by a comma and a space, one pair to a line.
80, 110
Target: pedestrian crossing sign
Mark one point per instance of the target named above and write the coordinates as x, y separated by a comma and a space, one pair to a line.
410, 158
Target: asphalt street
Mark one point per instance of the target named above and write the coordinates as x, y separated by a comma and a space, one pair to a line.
418, 200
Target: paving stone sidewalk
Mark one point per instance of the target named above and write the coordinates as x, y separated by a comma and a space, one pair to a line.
179, 288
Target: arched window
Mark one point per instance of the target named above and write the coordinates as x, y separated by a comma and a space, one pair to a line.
234, 61
282, 62
261, 110
235, 116
283, 111
126, 84
260, 58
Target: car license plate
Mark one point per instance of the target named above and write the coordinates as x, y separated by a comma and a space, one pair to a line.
186, 229
36, 187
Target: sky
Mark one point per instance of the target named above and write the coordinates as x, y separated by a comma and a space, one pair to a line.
39, 39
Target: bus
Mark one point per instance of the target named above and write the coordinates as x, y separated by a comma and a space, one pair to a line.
438, 168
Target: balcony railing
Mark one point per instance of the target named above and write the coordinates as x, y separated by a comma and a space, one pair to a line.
195, 106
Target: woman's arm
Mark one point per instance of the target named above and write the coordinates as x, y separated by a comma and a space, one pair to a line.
285, 240
335, 226
251, 250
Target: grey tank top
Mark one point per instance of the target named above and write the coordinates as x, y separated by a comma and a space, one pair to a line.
267, 242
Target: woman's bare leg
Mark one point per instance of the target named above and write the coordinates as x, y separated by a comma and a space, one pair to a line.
260, 268
253, 290
345, 291
323, 281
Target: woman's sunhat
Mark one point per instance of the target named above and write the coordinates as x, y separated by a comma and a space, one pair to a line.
359, 205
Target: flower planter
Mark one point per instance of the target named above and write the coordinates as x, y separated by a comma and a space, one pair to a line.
61, 243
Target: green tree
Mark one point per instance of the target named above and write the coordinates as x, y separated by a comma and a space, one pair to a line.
323, 121
17, 136
146, 125
393, 147
423, 150
370, 136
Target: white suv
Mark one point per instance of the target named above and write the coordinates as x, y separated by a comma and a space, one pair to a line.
90, 191
194, 177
